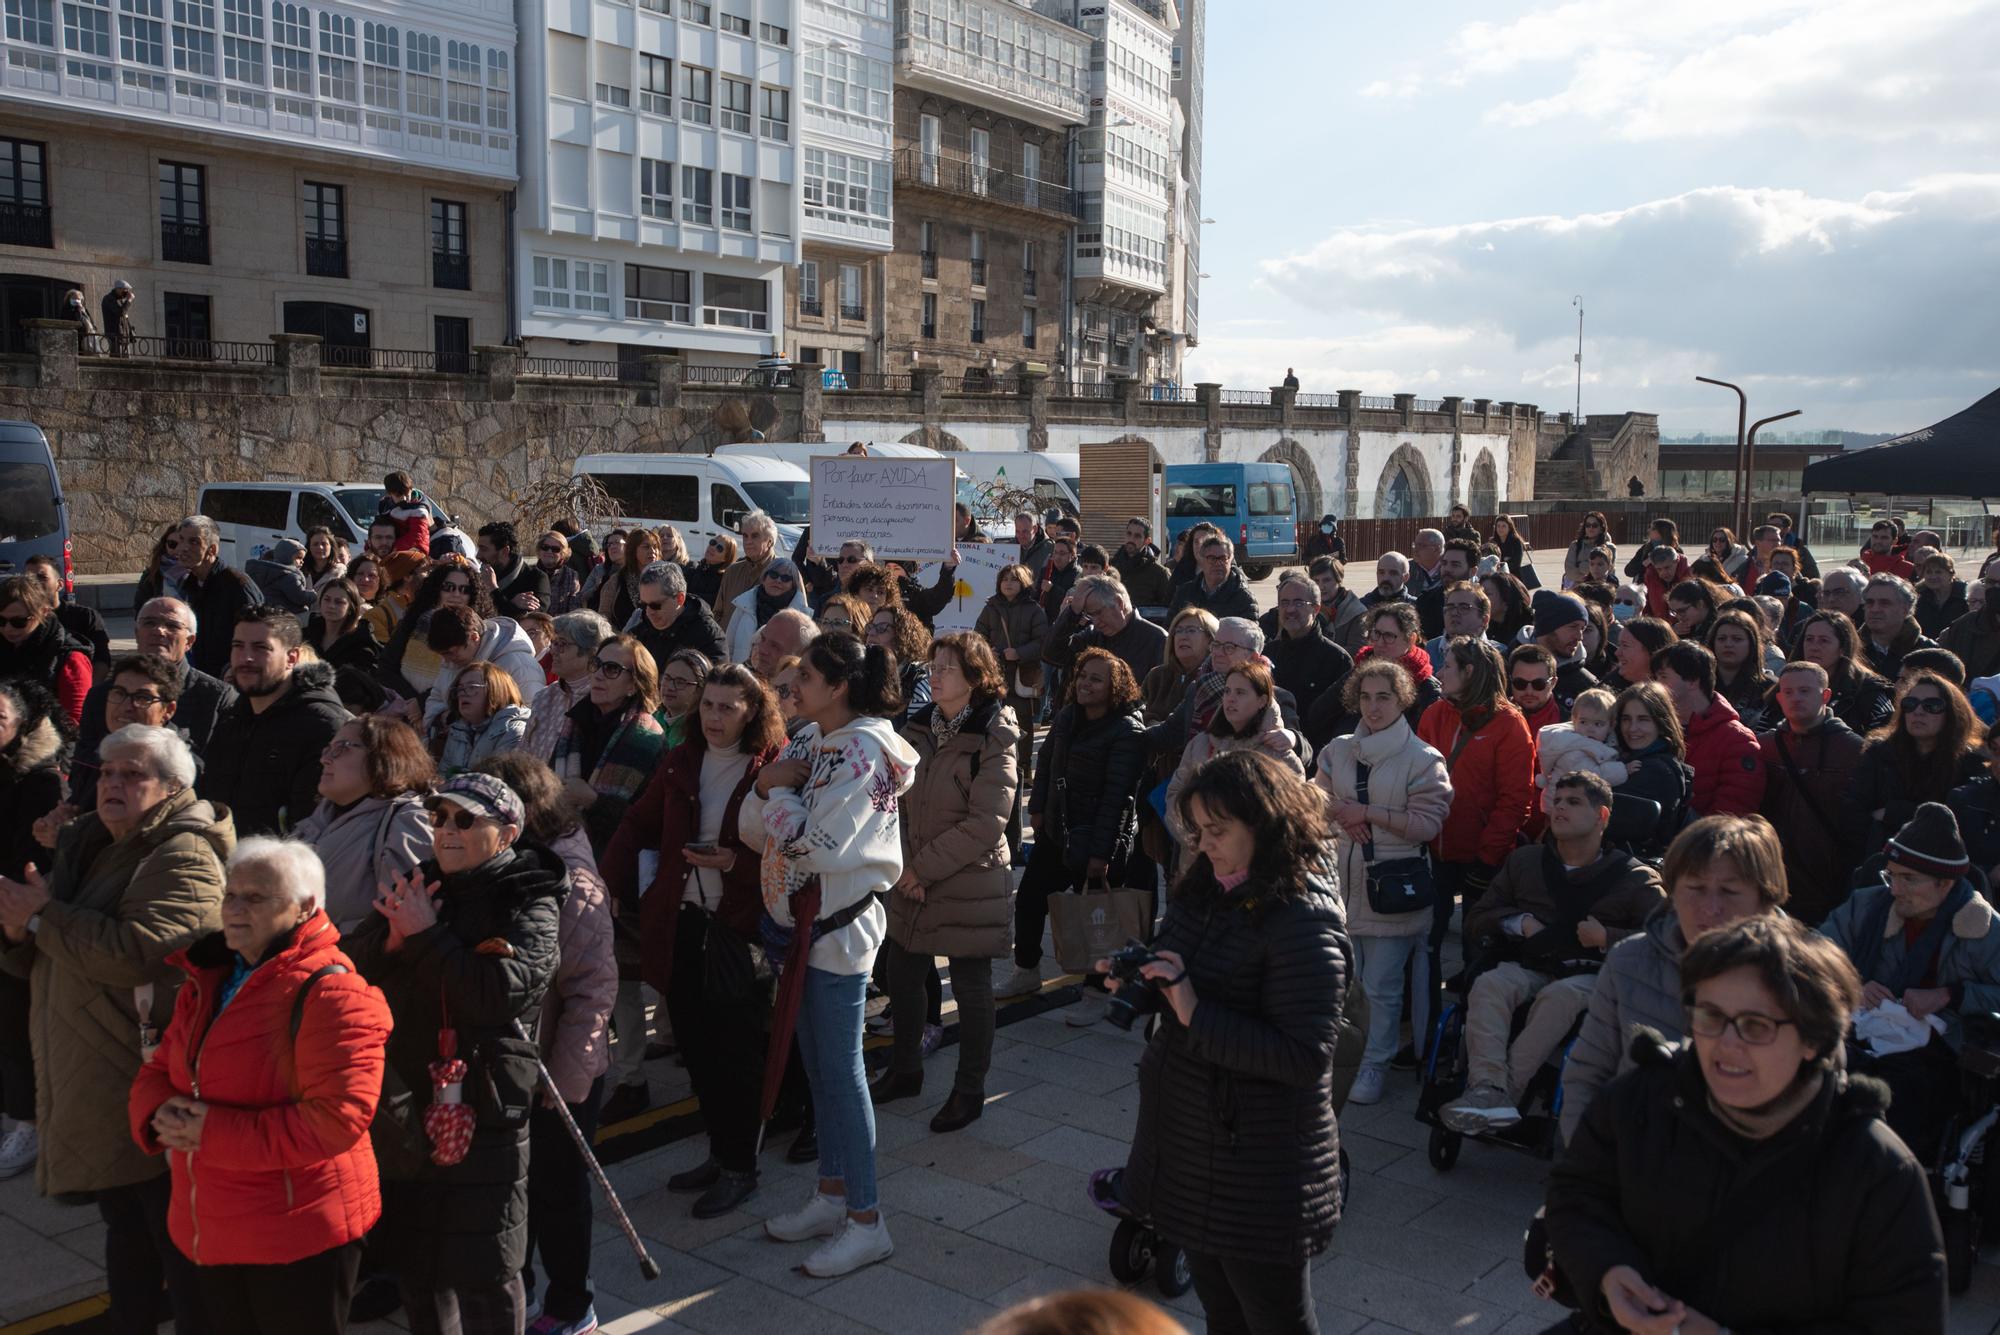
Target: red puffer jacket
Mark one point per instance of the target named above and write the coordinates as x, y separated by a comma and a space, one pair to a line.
1492, 782
1727, 763
1657, 588
285, 1169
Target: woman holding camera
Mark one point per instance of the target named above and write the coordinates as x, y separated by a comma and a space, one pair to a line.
1235, 1157
1745, 1181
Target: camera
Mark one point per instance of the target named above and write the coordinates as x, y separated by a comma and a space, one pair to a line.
1136, 995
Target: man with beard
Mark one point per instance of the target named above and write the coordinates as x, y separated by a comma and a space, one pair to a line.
263, 761
519, 585
1392, 582
1560, 619
1454, 566
1138, 563
214, 590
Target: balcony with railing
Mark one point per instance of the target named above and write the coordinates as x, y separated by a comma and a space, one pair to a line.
25, 224
924, 61
967, 178
184, 242
979, 273
810, 304
854, 311
929, 261
326, 257
452, 269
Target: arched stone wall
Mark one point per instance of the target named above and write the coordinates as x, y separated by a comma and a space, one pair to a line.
1311, 495
1483, 492
935, 438
1404, 489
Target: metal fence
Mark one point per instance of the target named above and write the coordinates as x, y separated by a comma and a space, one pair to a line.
1383, 402
1248, 398
571, 368
869, 382
177, 349
1082, 389
715, 375
1317, 401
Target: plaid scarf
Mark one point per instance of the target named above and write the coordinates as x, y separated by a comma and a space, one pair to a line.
628, 760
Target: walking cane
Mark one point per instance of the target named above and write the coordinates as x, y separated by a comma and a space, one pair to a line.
648, 1267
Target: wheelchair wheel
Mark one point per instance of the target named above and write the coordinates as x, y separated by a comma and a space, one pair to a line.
1172, 1277
1131, 1251
1346, 1178
1961, 1245
1444, 1148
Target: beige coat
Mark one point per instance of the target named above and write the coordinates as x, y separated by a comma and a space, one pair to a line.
1271, 737
116, 911
1404, 775
955, 838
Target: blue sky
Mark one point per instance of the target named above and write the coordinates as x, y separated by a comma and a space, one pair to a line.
1800, 196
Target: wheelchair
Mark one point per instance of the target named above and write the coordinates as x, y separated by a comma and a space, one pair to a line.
1966, 1179
1444, 1080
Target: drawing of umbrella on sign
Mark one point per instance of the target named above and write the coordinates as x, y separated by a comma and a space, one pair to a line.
961, 590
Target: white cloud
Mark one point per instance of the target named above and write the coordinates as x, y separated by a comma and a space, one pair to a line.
1853, 308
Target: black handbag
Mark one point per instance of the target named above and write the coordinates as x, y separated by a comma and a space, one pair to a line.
1395, 885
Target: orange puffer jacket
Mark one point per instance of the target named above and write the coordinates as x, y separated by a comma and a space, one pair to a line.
284, 1170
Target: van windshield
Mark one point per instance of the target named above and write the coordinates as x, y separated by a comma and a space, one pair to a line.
27, 502
1201, 499
786, 502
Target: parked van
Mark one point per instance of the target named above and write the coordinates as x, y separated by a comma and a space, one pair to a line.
252, 517
703, 494
1254, 504
34, 520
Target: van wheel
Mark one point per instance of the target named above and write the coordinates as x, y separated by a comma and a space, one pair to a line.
1257, 570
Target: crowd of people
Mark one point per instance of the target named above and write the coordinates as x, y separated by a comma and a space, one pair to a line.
328, 907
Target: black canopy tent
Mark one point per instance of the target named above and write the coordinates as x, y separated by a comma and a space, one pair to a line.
1959, 456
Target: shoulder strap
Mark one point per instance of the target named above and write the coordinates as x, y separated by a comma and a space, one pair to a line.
299, 997
1799, 782
1361, 796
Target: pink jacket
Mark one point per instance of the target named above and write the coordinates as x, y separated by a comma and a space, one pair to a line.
576, 1014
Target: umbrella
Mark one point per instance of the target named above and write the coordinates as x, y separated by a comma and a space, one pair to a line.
785, 1001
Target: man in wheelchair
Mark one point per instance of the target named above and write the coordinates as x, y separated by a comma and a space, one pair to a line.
1927, 946
1538, 936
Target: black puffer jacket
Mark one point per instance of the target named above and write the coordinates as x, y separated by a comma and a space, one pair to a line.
1826, 1226
465, 1225
1236, 1153
265, 767
1087, 782
1863, 703
1312, 667
215, 602
1233, 599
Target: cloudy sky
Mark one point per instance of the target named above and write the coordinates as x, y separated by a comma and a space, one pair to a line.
1799, 195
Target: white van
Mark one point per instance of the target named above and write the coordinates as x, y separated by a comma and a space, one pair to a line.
703, 495
252, 517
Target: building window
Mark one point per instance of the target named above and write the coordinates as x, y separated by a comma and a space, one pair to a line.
451, 343
697, 95
31, 21
736, 202
499, 99
188, 326
775, 35
613, 96
809, 298
851, 307
1028, 327
927, 248
978, 322
656, 188
425, 58
774, 113
563, 284
847, 81
451, 262
657, 294
930, 315
736, 105
698, 11
735, 303
1027, 268
978, 253
853, 190
337, 80
697, 195
656, 85
326, 230
183, 213
735, 23
24, 194
242, 40
141, 36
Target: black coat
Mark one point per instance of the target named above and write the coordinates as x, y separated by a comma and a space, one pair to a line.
704, 581
84, 623
42, 657
527, 577
357, 649
1935, 615
1312, 667
464, 1225
1826, 1226
1060, 583
1879, 785
1236, 1153
1655, 774
203, 701
1977, 806
1147, 580
215, 602
1141, 646
695, 628
1087, 783
1863, 703
265, 767
31, 784
1233, 599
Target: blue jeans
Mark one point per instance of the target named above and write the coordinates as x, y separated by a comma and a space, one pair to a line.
1383, 959
830, 1015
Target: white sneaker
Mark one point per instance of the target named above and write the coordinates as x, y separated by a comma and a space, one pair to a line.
856, 1245
17, 1150
1022, 983
1086, 1012
819, 1217
1368, 1083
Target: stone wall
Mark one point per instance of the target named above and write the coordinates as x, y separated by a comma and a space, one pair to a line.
135, 439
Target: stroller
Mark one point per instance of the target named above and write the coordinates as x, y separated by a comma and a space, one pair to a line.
1966, 1180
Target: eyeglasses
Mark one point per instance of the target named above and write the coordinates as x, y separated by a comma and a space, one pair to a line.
940, 666
1298, 602
606, 668
474, 685
144, 699
653, 607
1706, 1021
337, 747
1529, 683
1930, 704
1461, 607
681, 683
1231, 644
850, 560
715, 546
461, 818
18, 623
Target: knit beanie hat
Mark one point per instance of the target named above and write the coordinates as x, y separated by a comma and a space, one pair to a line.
1930, 843
1778, 584
1555, 610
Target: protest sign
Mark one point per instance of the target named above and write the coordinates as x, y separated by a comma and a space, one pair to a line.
899, 507
978, 576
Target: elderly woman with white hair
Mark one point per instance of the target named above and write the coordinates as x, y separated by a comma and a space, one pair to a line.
131, 883
290, 1039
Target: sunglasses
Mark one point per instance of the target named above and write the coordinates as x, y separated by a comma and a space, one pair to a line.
549, 547
715, 546
17, 623
606, 668
461, 818
653, 607
1929, 705
1529, 683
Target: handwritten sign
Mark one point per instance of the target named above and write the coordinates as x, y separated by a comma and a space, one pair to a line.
976, 580
899, 507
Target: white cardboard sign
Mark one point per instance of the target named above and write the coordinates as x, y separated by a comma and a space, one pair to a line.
899, 507
977, 579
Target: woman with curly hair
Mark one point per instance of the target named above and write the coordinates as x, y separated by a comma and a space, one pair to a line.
903, 633
409, 663
618, 597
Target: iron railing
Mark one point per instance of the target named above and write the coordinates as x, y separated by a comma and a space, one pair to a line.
179, 349
715, 375
928, 258
378, 359
184, 242
326, 257
1260, 398
1383, 402
573, 368
451, 269
968, 177
1428, 405
870, 382
25, 224
1082, 389
979, 381
1317, 401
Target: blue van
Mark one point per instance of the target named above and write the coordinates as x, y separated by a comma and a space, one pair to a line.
34, 521
1254, 504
